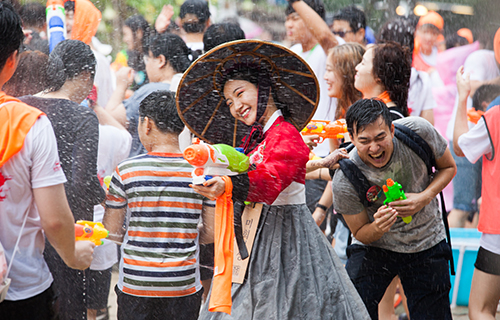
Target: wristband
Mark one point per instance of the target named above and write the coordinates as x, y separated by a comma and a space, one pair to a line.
319, 205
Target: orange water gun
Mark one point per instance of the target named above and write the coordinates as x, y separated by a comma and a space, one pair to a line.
474, 115
325, 129
90, 231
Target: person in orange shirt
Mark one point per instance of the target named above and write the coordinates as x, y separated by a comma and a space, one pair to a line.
429, 30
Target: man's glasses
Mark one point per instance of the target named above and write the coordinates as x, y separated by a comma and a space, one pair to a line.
341, 33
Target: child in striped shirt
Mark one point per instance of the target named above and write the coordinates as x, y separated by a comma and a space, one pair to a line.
159, 272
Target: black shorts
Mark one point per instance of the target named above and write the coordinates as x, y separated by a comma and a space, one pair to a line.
40, 307
488, 262
98, 289
206, 261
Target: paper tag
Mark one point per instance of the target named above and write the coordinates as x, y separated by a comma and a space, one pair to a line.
250, 221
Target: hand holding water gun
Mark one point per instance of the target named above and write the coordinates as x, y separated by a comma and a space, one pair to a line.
474, 115
215, 160
326, 129
90, 231
393, 192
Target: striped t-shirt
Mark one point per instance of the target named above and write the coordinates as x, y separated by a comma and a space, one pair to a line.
159, 254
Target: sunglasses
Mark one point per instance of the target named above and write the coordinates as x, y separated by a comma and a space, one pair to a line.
341, 33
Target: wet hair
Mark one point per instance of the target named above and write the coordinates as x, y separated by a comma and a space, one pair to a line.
220, 33
485, 93
69, 59
344, 59
173, 48
454, 40
364, 112
11, 32
400, 30
392, 65
69, 6
160, 107
200, 9
316, 5
30, 75
351, 14
33, 15
136, 23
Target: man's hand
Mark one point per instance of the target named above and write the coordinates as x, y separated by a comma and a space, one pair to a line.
83, 255
413, 204
163, 20
385, 218
463, 84
211, 189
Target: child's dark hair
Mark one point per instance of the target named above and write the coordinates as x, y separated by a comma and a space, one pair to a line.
316, 5
392, 65
69, 59
69, 6
366, 111
136, 23
11, 32
220, 33
351, 14
485, 93
33, 15
200, 9
173, 48
160, 107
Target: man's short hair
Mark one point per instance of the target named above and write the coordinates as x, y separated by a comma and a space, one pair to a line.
316, 5
220, 33
160, 107
351, 14
201, 12
366, 111
485, 93
11, 32
33, 15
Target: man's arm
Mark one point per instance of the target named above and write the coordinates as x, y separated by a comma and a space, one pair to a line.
113, 221
461, 125
367, 232
59, 227
316, 25
206, 230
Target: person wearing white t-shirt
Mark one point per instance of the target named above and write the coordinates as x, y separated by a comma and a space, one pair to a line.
312, 41
481, 142
482, 67
32, 197
114, 146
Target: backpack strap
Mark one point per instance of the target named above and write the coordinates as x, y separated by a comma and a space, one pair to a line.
417, 144
357, 179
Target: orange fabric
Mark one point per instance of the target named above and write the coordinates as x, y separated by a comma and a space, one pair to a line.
419, 63
17, 120
432, 17
467, 34
87, 19
496, 45
490, 189
220, 299
384, 96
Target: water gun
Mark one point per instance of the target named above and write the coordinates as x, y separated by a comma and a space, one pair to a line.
474, 115
90, 231
215, 160
393, 192
56, 26
106, 180
325, 129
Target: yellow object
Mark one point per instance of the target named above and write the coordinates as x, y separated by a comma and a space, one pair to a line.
90, 231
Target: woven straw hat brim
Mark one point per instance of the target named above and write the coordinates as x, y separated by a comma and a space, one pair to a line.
200, 100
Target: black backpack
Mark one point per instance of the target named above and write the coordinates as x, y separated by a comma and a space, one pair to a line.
418, 145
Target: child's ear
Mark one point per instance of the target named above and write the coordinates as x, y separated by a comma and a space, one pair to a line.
484, 105
11, 60
148, 124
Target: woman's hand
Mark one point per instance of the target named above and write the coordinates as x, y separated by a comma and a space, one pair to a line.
124, 77
211, 189
311, 141
333, 158
463, 84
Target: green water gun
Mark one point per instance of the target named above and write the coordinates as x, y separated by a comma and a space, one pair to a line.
394, 192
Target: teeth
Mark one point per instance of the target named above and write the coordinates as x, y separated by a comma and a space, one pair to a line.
377, 155
244, 114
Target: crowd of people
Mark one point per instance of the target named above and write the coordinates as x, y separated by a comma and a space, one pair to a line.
328, 243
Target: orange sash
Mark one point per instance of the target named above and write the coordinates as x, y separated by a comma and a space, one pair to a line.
220, 299
17, 119
384, 96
